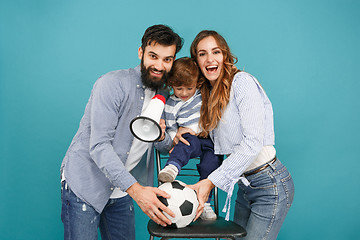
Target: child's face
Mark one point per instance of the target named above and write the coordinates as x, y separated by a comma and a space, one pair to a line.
185, 92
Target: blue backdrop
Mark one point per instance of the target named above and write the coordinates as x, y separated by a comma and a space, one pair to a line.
305, 54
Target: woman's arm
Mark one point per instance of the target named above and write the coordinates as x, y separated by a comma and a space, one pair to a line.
202, 189
246, 145
251, 114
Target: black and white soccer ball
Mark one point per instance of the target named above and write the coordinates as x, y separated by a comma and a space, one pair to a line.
183, 203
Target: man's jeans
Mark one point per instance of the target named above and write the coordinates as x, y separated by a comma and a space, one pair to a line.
262, 206
81, 221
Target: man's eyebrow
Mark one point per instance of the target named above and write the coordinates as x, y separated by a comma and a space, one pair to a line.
151, 52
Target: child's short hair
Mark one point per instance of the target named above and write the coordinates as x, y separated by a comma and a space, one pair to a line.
184, 72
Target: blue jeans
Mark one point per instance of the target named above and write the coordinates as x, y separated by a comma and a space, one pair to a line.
262, 206
81, 221
199, 147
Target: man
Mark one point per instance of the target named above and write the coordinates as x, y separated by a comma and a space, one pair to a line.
99, 169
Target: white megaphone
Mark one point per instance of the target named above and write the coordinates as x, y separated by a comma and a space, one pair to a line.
146, 127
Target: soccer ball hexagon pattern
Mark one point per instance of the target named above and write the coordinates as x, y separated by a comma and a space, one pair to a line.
183, 202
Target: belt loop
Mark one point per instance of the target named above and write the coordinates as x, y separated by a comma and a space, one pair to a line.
271, 164
272, 167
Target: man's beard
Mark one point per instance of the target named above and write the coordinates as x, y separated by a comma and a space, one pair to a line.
152, 82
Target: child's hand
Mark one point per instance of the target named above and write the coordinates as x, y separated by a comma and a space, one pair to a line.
163, 127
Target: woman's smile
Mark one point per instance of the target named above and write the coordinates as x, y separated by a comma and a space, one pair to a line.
210, 58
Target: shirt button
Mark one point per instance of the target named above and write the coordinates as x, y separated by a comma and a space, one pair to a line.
112, 189
138, 86
142, 98
127, 153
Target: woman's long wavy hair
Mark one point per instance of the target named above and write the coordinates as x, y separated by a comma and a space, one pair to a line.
214, 98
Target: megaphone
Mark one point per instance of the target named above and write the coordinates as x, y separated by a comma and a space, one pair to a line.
146, 127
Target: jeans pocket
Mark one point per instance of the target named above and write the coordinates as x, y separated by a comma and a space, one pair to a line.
262, 180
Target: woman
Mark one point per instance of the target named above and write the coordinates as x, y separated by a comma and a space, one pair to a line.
238, 117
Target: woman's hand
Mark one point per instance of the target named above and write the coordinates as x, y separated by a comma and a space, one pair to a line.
202, 189
178, 137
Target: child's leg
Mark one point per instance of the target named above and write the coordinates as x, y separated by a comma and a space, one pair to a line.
209, 161
182, 153
179, 157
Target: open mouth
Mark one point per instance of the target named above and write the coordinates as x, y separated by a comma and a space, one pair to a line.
211, 69
156, 72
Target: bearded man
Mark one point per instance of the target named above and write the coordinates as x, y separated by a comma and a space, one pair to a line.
102, 170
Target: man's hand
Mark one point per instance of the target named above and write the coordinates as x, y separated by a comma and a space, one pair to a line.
178, 137
146, 198
202, 189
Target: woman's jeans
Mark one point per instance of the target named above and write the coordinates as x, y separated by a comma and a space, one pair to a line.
262, 206
81, 221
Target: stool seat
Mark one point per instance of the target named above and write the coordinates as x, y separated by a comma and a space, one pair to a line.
219, 228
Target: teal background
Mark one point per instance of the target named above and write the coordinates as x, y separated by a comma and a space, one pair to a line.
304, 53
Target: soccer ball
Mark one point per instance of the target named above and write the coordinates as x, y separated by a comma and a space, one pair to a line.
183, 203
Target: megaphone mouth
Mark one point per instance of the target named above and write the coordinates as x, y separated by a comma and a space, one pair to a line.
146, 129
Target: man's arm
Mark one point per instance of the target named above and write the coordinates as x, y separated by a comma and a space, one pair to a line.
107, 99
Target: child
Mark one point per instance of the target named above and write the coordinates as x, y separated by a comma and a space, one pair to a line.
182, 109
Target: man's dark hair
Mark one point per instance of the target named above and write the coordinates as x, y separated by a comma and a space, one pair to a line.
163, 35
